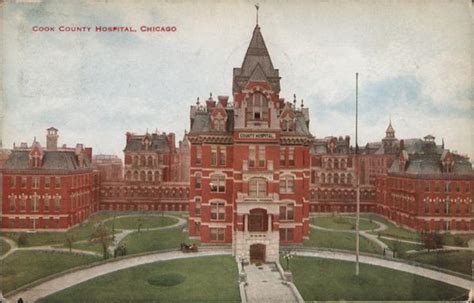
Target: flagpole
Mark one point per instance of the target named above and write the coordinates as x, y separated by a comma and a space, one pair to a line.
357, 175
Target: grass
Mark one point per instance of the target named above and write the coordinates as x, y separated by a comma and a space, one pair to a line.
393, 230
401, 247
342, 223
322, 279
156, 240
4, 247
340, 240
206, 279
81, 232
132, 222
459, 261
22, 267
88, 245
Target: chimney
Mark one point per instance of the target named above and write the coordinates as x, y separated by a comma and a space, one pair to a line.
172, 142
52, 139
88, 151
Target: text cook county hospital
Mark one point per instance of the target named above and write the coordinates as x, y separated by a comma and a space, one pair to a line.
104, 29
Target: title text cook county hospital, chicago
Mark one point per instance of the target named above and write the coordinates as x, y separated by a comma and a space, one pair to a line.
104, 29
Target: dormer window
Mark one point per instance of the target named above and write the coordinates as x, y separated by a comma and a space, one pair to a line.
257, 107
219, 124
287, 124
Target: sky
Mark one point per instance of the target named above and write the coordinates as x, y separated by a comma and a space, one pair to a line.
414, 60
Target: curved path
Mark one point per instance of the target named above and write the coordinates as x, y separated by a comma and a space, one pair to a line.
118, 237
73, 278
424, 272
364, 233
125, 232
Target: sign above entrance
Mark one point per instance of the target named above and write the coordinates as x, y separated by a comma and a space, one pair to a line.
257, 136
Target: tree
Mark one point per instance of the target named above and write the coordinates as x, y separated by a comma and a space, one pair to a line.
432, 240
287, 255
23, 239
69, 241
101, 235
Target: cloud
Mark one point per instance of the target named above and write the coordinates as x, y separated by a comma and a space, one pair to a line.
414, 61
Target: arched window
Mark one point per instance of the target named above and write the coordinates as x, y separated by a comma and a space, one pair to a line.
150, 176
157, 176
336, 179
257, 187
257, 107
142, 161
128, 176
343, 179
142, 176
135, 176
150, 161
323, 178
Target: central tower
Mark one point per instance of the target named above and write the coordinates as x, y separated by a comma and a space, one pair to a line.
250, 163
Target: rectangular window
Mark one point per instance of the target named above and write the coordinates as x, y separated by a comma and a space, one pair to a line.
217, 234
23, 182
252, 156
287, 184
46, 203
287, 212
282, 156
257, 187
218, 211
13, 181
12, 204
261, 156
291, 156
198, 155
286, 234
58, 182
57, 204
34, 203
23, 204
213, 155
222, 156
47, 181
197, 210
218, 183
35, 182
198, 181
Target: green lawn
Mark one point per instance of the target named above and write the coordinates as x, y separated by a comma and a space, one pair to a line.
459, 261
156, 240
342, 223
146, 221
457, 240
322, 279
22, 267
340, 240
393, 230
88, 245
206, 279
401, 247
4, 247
80, 232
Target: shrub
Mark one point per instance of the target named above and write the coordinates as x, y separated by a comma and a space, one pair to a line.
23, 239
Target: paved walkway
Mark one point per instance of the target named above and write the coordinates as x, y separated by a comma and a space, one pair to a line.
70, 279
428, 273
265, 284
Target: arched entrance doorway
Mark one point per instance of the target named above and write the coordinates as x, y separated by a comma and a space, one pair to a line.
257, 253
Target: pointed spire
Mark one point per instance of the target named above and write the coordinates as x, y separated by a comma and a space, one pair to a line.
442, 143
257, 54
302, 103
294, 101
257, 6
197, 101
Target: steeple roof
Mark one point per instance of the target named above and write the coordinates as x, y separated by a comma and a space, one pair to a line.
257, 60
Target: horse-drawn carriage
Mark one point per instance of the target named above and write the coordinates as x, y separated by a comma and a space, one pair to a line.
189, 248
